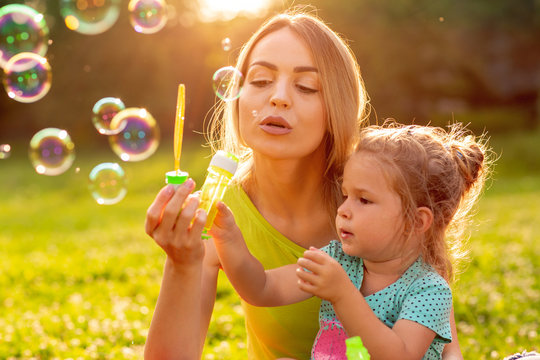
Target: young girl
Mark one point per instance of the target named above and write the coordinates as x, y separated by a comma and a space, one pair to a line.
406, 188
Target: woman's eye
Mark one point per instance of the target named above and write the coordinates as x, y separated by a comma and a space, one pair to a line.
259, 83
307, 89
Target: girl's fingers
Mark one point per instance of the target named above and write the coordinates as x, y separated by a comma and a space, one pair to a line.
173, 207
309, 264
306, 276
153, 214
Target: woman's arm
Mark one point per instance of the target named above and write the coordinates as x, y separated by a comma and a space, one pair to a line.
258, 287
175, 224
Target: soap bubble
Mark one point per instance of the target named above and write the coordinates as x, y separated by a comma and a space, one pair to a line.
147, 16
107, 183
27, 77
227, 83
5, 151
226, 44
90, 17
140, 136
104, 111
22, 29
51, 151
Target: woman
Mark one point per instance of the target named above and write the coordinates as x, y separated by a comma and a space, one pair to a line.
302, 103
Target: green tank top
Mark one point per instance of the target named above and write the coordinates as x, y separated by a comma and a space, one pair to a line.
273, 332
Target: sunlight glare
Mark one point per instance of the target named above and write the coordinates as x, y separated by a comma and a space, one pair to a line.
213, 10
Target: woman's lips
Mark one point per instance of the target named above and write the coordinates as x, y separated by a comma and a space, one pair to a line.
275, 125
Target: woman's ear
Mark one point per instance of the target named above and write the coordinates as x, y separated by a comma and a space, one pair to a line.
424, 219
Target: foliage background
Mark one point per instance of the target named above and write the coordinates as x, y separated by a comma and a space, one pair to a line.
78, 280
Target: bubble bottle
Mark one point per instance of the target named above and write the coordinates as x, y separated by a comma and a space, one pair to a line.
356, 349
220, 172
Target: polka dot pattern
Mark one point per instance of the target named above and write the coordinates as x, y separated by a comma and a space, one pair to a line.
419, 295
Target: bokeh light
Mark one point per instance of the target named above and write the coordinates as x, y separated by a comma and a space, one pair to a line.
227, 83
51, 151
27, 77
140, 137
90, 17
22, 29
148, 16
5, 151
226, 44
107, 183
104, 111
220, 10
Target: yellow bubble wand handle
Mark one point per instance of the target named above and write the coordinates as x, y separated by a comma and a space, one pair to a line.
176, 176
179, 126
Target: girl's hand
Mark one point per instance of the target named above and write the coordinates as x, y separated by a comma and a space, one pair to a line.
225, 230
324, 278
175, 224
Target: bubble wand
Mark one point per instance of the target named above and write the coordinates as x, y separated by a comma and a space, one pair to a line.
177, 177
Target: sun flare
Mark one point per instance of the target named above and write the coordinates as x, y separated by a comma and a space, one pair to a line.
213, 10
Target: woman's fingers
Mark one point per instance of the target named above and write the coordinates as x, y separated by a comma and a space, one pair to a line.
153, 214
173, 207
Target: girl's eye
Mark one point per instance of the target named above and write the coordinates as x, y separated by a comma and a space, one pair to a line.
364, 201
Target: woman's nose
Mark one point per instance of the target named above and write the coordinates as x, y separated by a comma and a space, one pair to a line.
280, 96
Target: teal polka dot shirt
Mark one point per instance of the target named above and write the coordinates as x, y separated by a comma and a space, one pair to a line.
420, 295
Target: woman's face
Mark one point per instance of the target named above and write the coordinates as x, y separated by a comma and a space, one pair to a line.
281, 110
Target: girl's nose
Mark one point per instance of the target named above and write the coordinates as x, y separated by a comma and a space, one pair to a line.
343, 211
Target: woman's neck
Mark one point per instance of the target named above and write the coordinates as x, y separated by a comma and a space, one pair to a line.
290, 196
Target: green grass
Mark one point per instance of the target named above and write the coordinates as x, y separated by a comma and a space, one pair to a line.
79, 280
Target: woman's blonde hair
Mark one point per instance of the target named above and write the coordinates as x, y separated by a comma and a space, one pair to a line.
444, 171
343, 93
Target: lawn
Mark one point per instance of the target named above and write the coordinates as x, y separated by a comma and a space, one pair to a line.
80, 280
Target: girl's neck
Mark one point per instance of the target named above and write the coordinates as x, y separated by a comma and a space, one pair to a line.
380, 274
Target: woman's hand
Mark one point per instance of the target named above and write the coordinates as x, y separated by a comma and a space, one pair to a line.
175, 224
325, 277
225, 230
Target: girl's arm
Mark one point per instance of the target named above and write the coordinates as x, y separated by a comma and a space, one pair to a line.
327, 280
258, 287
452, 351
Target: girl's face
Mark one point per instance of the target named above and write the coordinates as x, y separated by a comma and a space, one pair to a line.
281, 107
369, 222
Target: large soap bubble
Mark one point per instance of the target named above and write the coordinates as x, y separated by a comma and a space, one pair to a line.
27, 77
90, 17
51, 151
140, 135
22, 29
227, 83
107, 183
148, 16
104, 111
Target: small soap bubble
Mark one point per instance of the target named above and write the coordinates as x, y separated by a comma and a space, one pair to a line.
90, 17
22, 29
104, 111
147, 16
51, 151
27, 77
5, 151
227, 83
107, 183
226, 44
140, 136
